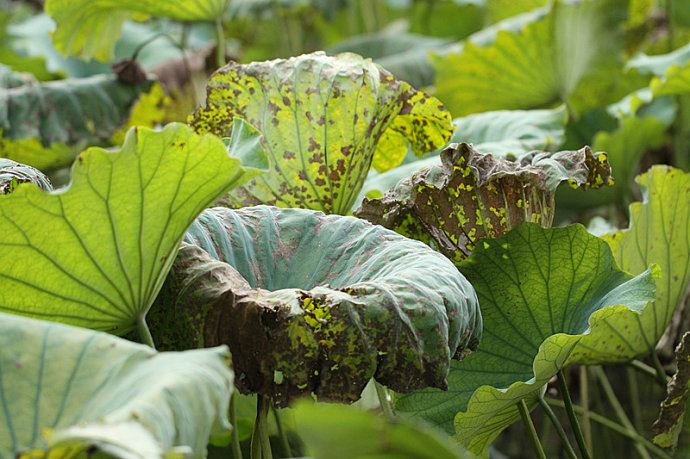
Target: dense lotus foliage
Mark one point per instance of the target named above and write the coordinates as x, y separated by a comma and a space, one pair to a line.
344, 229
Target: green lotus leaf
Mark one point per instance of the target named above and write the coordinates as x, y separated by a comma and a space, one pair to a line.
503, 132
472, 195
328, 432
669, 424
321, 118
96, 253
498, 10
67, 392
671, 71
12, 174
314, 303
542, 292
44, 124
90, 29
658, 234
534, 67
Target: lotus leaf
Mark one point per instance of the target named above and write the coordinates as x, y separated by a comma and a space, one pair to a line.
314, 303
658, 234
12, 174
96, 253
472, 195
68, 392
322, 118
543, 291
91, 28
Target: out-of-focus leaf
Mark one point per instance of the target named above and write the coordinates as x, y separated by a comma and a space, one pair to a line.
43, 124
90, 29
68, 392
96, 254
671, 71
543, 292
148, 111
668, 425
343, 432
472, 195
13, 173
314, 303
538, 65
502, 133
405, 55
498, 10
659, 233
321, 118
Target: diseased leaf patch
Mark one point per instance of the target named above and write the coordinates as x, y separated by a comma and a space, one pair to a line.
472, 195
321, 118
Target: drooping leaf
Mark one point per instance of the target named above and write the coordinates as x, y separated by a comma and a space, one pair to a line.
321, 118
534, 67
472, 195
95, 254
542, 292
68, 392
668, 425
658, 234
343, 432
502, 133
44, 124
12, 174
90, 29
314, 303
624, 146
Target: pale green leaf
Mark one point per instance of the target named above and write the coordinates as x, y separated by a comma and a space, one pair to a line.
96, 253
90, 28
321, 118
67, 392
658, 234
542, 292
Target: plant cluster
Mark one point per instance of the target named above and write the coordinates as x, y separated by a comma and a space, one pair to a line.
465, 224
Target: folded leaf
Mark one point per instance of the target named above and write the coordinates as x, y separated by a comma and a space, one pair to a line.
96, 254
90, 29
12, 174
472, 195
68, 392
542, 292
321, 118
314, 303
659, 234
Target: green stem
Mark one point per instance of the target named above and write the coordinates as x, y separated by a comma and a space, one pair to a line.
617, 407
527, 421
236, 449
281, 433
559, 429
661, 373
144, 332
220, 43
260, 444
649, 371
634, 395
606, 422
383, 401
574, 424
584, 400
